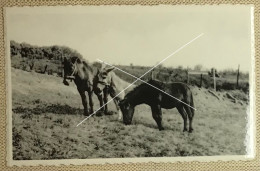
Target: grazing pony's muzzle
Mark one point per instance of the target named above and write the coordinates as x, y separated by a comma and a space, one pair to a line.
127, 111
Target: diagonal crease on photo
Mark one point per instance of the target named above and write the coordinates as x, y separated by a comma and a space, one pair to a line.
176, 51
146, 83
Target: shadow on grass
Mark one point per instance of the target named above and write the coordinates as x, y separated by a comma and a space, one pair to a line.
153, 125
145, 124
53, 108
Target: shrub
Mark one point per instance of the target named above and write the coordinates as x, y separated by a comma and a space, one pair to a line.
24, 55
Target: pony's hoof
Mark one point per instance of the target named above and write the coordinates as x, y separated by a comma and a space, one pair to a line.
161, 129
109, 113
86, 114
185, 130
65, 82
99, 113
191, 130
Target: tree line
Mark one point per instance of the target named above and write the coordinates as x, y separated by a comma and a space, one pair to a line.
46, 59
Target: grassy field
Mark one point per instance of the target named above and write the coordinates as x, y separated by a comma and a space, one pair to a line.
46, 112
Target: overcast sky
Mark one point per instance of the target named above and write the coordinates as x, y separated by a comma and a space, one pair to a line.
141, 35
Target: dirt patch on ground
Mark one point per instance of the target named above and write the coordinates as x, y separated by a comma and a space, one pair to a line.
46, 112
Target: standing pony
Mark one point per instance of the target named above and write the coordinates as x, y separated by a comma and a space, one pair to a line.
75, 68
109, 83
156, 100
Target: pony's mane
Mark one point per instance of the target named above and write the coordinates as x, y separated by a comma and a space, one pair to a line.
87, 65
74, 57
155, 83
133, 91
85, 62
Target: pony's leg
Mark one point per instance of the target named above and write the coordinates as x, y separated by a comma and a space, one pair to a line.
105, 92
184, 117
118, 109
116, 101
90, 96
157, 116
190, 116
100, 99
84, 102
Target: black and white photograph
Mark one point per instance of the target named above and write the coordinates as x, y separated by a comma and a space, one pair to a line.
122, 84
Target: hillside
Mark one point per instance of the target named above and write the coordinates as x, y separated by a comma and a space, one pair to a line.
49, 60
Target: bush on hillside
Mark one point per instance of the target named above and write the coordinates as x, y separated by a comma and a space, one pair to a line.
28, 57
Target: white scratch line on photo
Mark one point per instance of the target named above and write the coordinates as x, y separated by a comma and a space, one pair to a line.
143, 75
146, 83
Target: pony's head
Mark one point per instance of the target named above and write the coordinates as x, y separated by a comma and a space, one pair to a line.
102, 78
70, 68
127, 110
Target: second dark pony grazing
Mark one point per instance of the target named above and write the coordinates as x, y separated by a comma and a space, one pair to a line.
157, 100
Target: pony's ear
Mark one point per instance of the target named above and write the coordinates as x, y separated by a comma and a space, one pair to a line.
110, 69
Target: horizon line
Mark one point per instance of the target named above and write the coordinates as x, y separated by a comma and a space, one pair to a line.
173, 67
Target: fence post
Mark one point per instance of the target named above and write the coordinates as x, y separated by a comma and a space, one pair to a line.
214, 79
238, 75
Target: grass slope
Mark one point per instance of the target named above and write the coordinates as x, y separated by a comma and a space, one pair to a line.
45, 115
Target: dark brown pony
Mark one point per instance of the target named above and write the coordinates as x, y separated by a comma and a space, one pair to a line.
157, 100
77, 69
